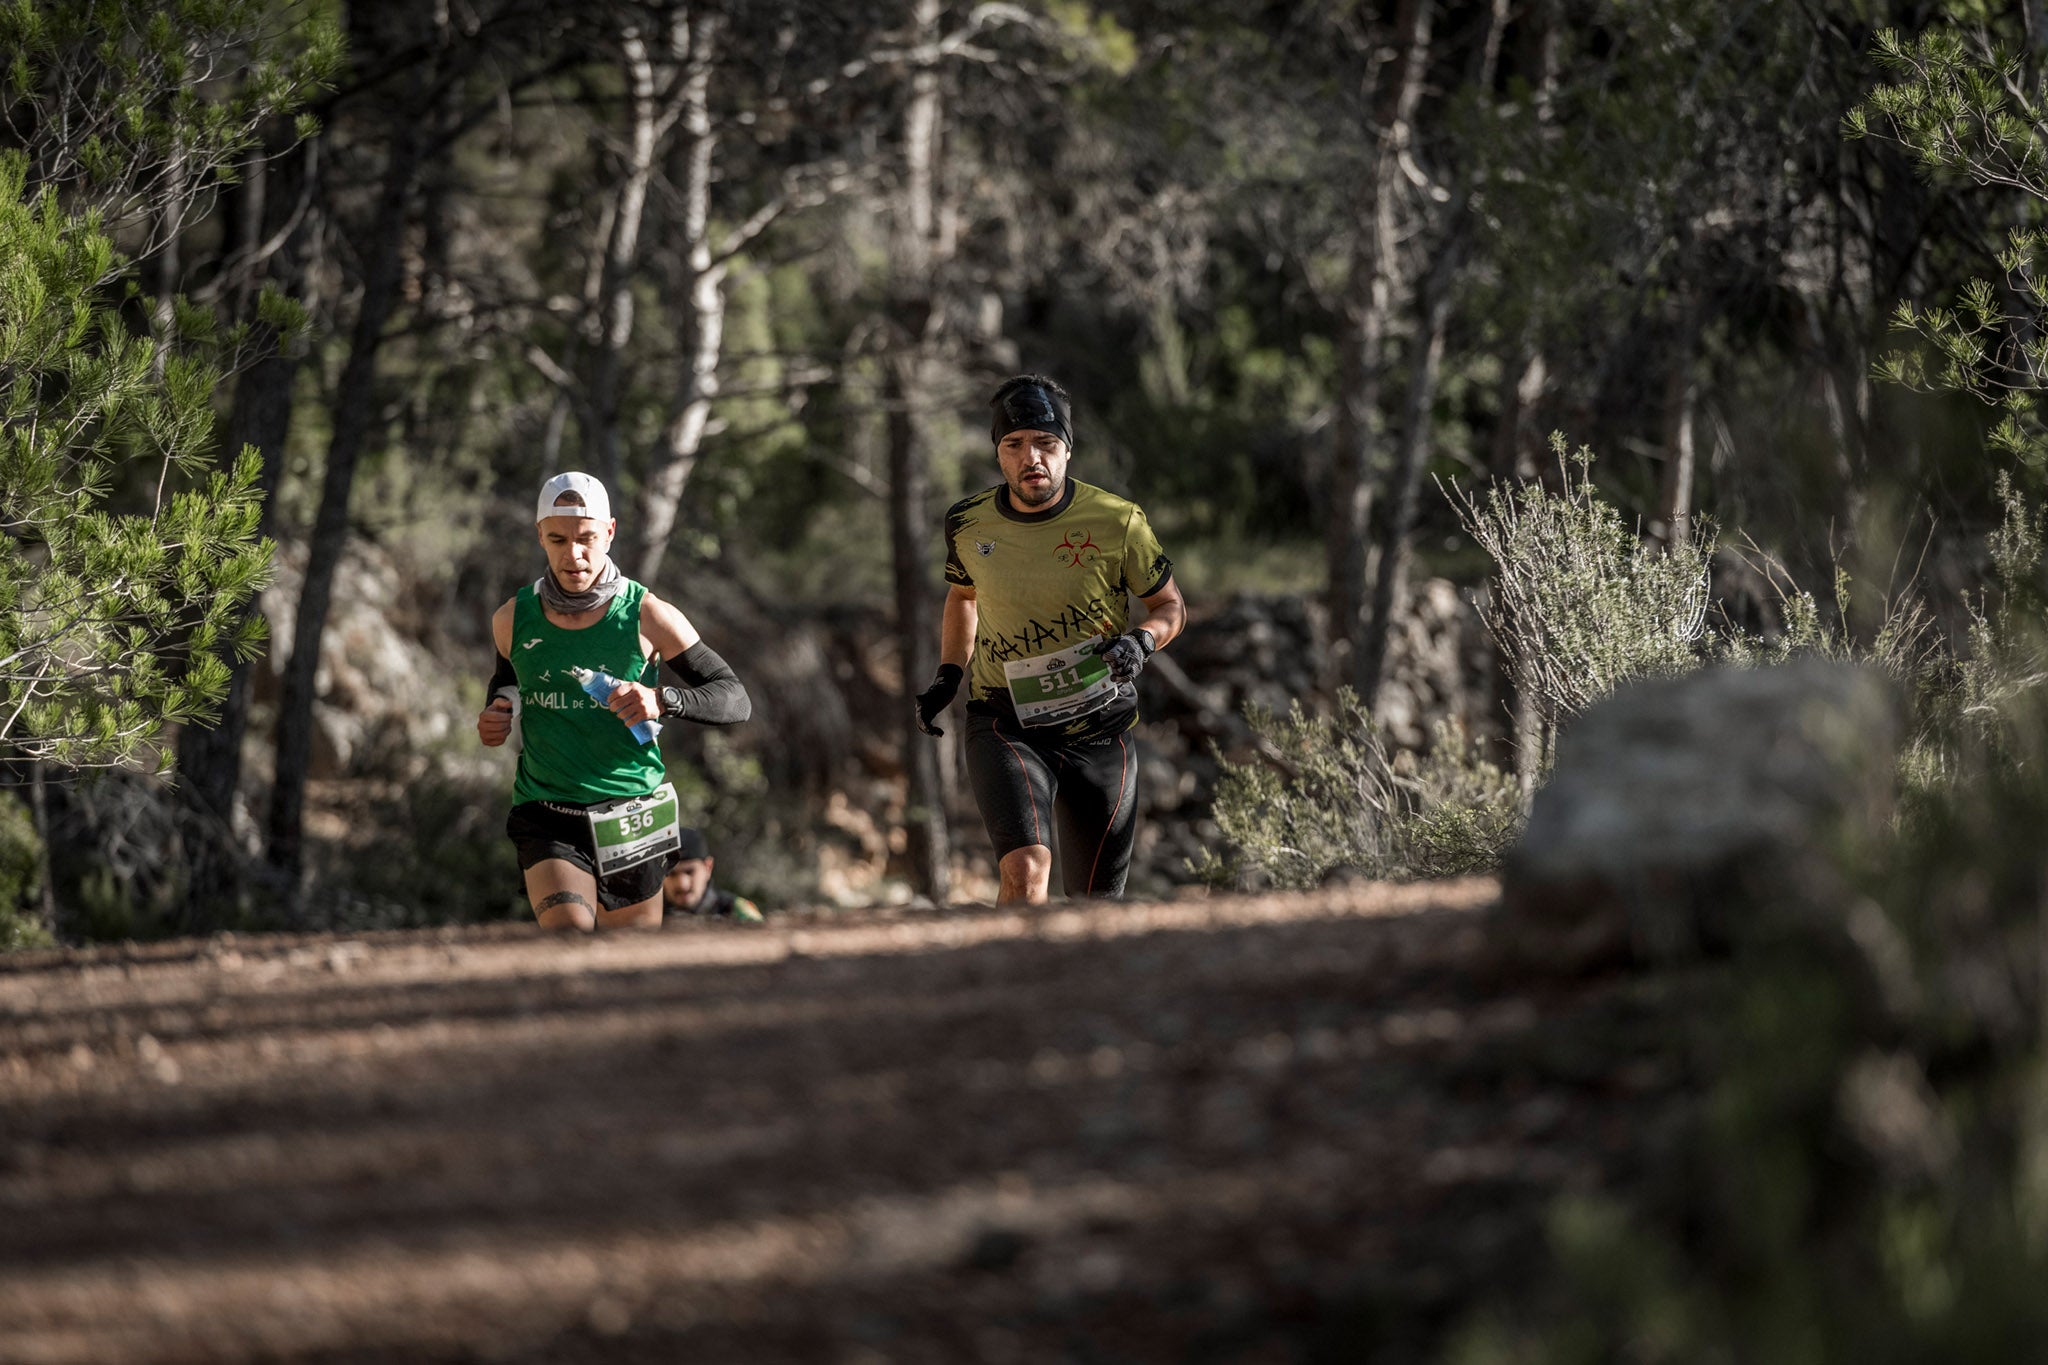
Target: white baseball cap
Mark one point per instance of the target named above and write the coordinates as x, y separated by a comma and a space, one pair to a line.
596, 504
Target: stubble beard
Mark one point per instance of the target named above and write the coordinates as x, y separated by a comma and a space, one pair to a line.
1051, 492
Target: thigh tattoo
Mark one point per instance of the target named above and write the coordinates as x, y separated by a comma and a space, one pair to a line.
565, 898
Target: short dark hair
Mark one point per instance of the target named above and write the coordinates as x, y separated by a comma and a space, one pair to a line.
1029, 400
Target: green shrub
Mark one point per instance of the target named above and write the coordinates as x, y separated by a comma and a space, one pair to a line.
1580, 604
1580, 607
1327, 793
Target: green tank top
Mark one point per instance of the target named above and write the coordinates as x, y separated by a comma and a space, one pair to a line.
572, 749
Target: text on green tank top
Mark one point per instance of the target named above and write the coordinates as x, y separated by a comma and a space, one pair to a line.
574, 750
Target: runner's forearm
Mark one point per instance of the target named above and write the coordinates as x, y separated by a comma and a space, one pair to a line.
1166, 613
1163, 624
956, 630
712, 693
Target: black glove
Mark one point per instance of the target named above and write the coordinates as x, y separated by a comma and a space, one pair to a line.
1126, 654
938, 697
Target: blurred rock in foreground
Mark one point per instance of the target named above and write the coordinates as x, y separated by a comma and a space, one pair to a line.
1681, 809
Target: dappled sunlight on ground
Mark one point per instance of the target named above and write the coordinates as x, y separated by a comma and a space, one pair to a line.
976, 1134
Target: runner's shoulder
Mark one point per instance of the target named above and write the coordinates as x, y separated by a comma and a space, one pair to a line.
654, 602
973, 505
501, 621
1093, 498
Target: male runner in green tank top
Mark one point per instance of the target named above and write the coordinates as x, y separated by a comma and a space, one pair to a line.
1041, 569
581, 812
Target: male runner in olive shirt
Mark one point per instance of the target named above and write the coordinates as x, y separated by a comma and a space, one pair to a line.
1037, 622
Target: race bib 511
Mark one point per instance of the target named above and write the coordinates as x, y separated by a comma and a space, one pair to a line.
1053, 688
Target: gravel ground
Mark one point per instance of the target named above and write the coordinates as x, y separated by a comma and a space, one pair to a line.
1283, 1128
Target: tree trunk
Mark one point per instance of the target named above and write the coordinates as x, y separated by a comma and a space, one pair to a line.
1518, 441
569, 397
210, 758
1681, 406
621, 253
1411, 449
1350, 513
1515, 459
915, 314
169, 266
355, 410
699, 304
910, 536
683, 437
46, 883
1370, 291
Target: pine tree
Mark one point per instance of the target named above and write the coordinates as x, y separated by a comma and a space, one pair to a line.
1969, 105
125, 554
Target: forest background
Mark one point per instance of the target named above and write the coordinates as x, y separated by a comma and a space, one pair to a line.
355, 279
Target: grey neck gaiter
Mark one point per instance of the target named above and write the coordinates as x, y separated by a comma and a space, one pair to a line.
591, 598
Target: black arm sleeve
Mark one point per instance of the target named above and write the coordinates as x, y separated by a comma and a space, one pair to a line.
502, 676
712, 693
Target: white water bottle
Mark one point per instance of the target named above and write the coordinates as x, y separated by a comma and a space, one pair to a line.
510, 692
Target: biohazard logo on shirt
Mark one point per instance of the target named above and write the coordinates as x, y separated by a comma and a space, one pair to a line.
1074, 556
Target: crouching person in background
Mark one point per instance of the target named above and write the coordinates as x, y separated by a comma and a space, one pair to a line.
688, 890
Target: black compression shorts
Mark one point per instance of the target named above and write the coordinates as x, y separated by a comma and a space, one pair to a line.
1028, 786
545, 829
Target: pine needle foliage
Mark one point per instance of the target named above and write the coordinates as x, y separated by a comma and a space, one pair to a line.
1965, 106
142, 107
112, 621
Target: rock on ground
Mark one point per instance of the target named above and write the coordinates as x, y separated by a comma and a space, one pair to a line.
1679, 810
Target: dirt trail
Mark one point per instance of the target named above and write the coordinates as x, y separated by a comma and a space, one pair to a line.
1258, 1129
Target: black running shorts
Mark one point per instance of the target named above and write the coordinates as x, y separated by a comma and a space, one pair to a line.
1028, 787
541, 830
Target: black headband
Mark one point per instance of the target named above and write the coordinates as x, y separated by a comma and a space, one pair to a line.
1030, 408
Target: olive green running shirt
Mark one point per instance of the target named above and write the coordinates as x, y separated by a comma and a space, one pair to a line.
1045, 581
572, 749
